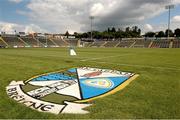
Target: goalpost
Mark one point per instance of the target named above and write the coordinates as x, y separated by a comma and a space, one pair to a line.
72, 49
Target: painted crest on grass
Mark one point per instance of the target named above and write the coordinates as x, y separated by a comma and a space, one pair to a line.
68, 91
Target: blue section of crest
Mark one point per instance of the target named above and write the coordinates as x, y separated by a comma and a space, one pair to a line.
73, 70
64, 75
93, 91
56, 76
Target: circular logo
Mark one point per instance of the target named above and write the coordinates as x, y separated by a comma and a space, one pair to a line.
66, 91
99, 83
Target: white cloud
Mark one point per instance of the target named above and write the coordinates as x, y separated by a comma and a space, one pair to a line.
15, 1
32, 28
56, 15
148, 27
176, 18
176, 1
97, 9
159, 27
10, 28
73, 15
7, 27
175, 23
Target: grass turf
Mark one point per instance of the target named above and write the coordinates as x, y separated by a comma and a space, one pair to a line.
154, 94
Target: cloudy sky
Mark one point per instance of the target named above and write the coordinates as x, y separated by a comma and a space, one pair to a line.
58, 16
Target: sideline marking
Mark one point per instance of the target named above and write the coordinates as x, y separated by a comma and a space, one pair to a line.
103, 57
158, 67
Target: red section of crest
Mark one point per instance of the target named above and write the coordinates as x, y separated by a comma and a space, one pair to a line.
92, 74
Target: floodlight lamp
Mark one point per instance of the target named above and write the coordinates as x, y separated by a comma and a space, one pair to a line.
169, 6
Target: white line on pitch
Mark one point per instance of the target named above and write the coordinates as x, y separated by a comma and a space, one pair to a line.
103, 57
158, 67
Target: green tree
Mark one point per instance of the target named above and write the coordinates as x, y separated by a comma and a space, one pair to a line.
84, 35
171, 34
113, 30
109, 30
160, 34
139, 32
177, 32
67, 34
135, 29
150, 34
77, 35
127, 29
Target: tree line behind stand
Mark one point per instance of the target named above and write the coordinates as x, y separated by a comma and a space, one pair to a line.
110, 33
176, 33
134, 32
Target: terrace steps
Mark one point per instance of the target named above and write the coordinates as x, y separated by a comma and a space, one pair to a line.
171, 44
53, 42
117, 44
38, 42
90, 44
133, 44
103, 45
23, 41
150, 44
65, 42
4, 41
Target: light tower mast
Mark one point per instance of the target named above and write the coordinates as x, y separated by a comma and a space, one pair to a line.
92, 18
169, 7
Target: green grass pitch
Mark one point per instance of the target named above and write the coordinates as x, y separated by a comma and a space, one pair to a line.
154, 94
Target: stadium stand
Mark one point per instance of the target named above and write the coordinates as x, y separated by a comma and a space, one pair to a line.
30, 41
126, 43
87, 44
26, 44
40, 44
13, 41
98, 44
3, 44
72, 42
176, 44
111, 43
46, 42
7, 40
160, 44
142, 43
56, 45
59, 42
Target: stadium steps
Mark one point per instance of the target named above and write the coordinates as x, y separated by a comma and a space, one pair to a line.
4, 41
133, 44
30, 41
160, 44
72, 42
23, 41
78, 43
53, 42
91, 44
176, 44
38, 42
59, 42
65, 42
150, 44
117, 44
126, 43
86, 44
111, 43
171, 44
103, 45
13, 41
